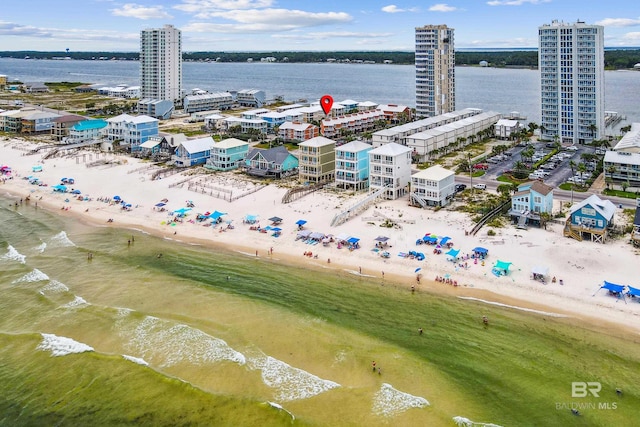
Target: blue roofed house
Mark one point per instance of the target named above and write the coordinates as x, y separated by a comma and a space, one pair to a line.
85, 131
273, 162
131, 131
352, 165
228, 154
590, 218
530, 200
193, 152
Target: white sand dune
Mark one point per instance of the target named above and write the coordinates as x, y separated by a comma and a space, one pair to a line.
581, 265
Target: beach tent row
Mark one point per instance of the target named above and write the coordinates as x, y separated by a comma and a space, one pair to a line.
619, 290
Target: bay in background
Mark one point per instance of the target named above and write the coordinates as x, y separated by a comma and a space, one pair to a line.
502, 90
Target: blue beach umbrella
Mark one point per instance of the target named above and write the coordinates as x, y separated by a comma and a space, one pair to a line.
417, 269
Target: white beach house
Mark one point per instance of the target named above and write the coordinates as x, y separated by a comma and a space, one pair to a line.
390, 167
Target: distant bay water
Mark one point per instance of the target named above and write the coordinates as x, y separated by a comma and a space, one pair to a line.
492, 89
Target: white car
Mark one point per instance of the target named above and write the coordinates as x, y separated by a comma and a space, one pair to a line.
572, 148
480, 186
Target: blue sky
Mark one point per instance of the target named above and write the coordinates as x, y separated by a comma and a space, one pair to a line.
286, 25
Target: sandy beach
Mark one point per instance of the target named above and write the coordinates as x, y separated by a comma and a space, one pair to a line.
582, 266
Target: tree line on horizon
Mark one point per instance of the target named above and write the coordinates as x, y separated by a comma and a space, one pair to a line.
614, 59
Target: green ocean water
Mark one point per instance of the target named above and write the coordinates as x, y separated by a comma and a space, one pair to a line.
203, 337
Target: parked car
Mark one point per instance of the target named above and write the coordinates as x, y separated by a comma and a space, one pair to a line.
481, 166
480, 186
460, 187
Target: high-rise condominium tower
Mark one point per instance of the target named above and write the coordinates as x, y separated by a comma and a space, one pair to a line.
571, 62
435, 71
161, 63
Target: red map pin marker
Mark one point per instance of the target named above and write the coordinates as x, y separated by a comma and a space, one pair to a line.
326, 102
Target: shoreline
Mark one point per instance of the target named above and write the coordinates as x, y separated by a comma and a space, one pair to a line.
600, 312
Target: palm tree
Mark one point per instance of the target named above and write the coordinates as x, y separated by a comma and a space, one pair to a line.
593, 129
582, 169
572, 165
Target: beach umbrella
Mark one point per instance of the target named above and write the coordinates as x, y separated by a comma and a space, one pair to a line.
117, 198
301, 222
381, 239
417, 269
76, 192
159, 205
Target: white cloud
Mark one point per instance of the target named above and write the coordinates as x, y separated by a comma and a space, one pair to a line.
515, 2
203, 7
392, 8
442, 7
131, 10
272, 20
619, 22
65, 35
633, 37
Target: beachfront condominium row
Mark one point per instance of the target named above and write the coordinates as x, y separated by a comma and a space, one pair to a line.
160, 68
435, 71
571, 63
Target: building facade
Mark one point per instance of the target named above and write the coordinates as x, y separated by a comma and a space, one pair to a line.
434, 186
352, 165
131, 131
228, 154
317, 159
435, 70
571, 63
390, 167
161, 64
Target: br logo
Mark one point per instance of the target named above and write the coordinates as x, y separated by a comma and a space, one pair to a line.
582, 389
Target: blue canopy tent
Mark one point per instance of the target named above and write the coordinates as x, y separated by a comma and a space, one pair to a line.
501, 268
480, 250
60, 188
445, 240
181, 212
353, 242
453, 253
300, 223
615, 290
117, 198
251, 219
633, 292
216, 215
37, 168
430, 239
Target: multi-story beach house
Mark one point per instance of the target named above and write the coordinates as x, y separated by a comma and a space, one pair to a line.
27, 120
85, 131
317, 157
296, 131
352, 165
571, 63
435, 70
131, 131
507, 128
193, 152
163, 144
207, 102
390, 168
394, 112
160, 68
251, 98
622, 164
228, 154
62, 124
530, 200
434, 186
274, 162
590, 219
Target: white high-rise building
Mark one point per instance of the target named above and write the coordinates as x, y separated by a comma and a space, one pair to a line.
161, 64
435, 71
571, 63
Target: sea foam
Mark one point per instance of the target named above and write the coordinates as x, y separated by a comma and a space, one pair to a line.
388, 401
77, 301
61, 240
466, 422
280, 408
13, 255
61, 346
137, 360
290, 383
34, 276
54, 287
171, 343
41, 247
499, 304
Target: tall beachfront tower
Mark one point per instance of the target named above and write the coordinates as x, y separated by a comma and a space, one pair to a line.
161, 64
571, 62
435, 71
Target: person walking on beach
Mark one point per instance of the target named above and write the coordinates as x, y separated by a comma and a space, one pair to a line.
419, 331
373, 365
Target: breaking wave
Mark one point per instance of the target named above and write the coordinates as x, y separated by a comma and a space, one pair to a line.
388, 401
290, 383
61, 346
34, 276
61, 240
13, 255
